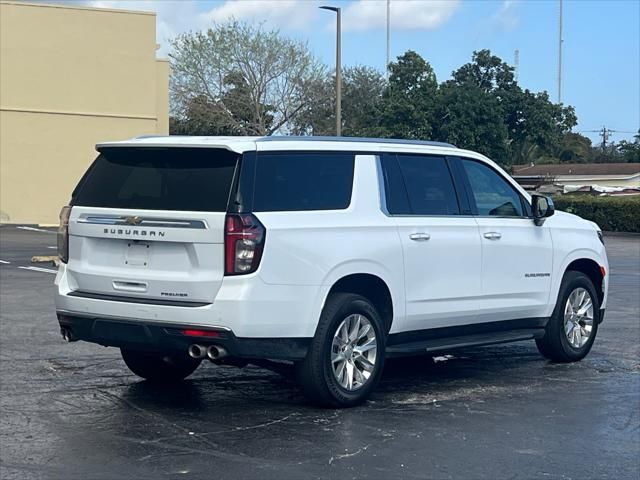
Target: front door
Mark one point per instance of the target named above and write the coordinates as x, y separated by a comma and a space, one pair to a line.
516, 254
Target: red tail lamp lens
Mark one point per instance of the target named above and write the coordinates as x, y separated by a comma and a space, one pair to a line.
244, 242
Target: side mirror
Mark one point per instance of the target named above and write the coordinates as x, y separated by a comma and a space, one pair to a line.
542, 208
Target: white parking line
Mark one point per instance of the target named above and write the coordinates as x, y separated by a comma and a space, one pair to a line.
4, 261
32, 229
53, 248
38, 269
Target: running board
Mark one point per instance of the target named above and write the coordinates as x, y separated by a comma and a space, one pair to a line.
450, 343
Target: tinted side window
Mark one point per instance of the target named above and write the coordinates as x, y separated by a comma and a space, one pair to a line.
190, 179
493, 195
429, 185
397, 202
287, 181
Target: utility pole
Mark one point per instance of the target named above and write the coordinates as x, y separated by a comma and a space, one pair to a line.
560, 40
604, 133
338, 69
388, 38
516, 64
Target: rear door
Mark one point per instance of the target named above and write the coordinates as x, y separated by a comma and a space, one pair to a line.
148, 224
441, 245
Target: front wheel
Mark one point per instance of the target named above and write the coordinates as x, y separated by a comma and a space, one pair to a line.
572, 328
159, 367
346, 356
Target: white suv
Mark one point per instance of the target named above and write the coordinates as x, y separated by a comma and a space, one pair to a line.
331, 253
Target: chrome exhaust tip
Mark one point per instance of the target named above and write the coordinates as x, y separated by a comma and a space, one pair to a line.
214, 353
67, 334
197, 351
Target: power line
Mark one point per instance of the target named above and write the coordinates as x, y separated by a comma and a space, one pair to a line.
605, 133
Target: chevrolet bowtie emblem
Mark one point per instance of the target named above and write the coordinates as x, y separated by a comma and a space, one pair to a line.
133, 220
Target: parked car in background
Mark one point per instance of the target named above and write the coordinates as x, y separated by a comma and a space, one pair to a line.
331, 253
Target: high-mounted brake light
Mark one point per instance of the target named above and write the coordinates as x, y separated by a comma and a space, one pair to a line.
63, 234
243, 243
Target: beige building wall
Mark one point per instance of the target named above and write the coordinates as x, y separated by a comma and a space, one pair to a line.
70, 77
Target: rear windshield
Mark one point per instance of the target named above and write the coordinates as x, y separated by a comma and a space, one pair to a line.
192, 179
288, 181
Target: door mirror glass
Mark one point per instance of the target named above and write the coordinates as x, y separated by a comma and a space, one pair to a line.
542, 208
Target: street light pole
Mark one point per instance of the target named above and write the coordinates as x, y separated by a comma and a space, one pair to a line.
560, 40
338, 68
386, 69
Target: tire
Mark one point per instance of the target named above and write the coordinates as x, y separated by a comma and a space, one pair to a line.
559, 343
344, 312
159, 367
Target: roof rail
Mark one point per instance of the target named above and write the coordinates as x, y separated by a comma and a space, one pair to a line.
311, 138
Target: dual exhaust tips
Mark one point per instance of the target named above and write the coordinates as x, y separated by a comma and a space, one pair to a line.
67, 334
212, 352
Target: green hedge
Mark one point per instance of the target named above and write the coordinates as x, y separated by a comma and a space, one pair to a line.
613, 214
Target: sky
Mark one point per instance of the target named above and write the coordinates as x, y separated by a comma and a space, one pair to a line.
601, 41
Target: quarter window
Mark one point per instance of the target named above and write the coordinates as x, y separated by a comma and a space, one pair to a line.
493, 195
301, 181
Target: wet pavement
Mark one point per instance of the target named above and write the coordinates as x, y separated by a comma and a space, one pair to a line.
75, 412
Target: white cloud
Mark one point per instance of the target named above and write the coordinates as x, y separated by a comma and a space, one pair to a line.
293, 14
178, 16
173, 16
405, 14
506, 18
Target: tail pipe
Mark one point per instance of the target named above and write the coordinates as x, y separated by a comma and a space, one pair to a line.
197, 351
215, 352
67, 334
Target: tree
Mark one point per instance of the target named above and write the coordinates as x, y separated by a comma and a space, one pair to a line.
487, 72
574, 148
251, 81
535, 125
200, 117
409, 101
630, 151
362, 89
470, 117
533, 118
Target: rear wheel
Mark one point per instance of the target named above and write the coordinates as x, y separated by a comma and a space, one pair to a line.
159, 367
346, 357
572, 328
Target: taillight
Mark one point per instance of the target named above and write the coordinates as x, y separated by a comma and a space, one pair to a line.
243, 243
63, 234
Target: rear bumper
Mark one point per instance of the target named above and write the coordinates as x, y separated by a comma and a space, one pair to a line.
166, 337
245, 305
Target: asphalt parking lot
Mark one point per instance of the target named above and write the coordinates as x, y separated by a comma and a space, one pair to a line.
74, 411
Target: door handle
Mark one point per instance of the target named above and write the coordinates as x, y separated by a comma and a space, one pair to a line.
420, 237
493, 235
